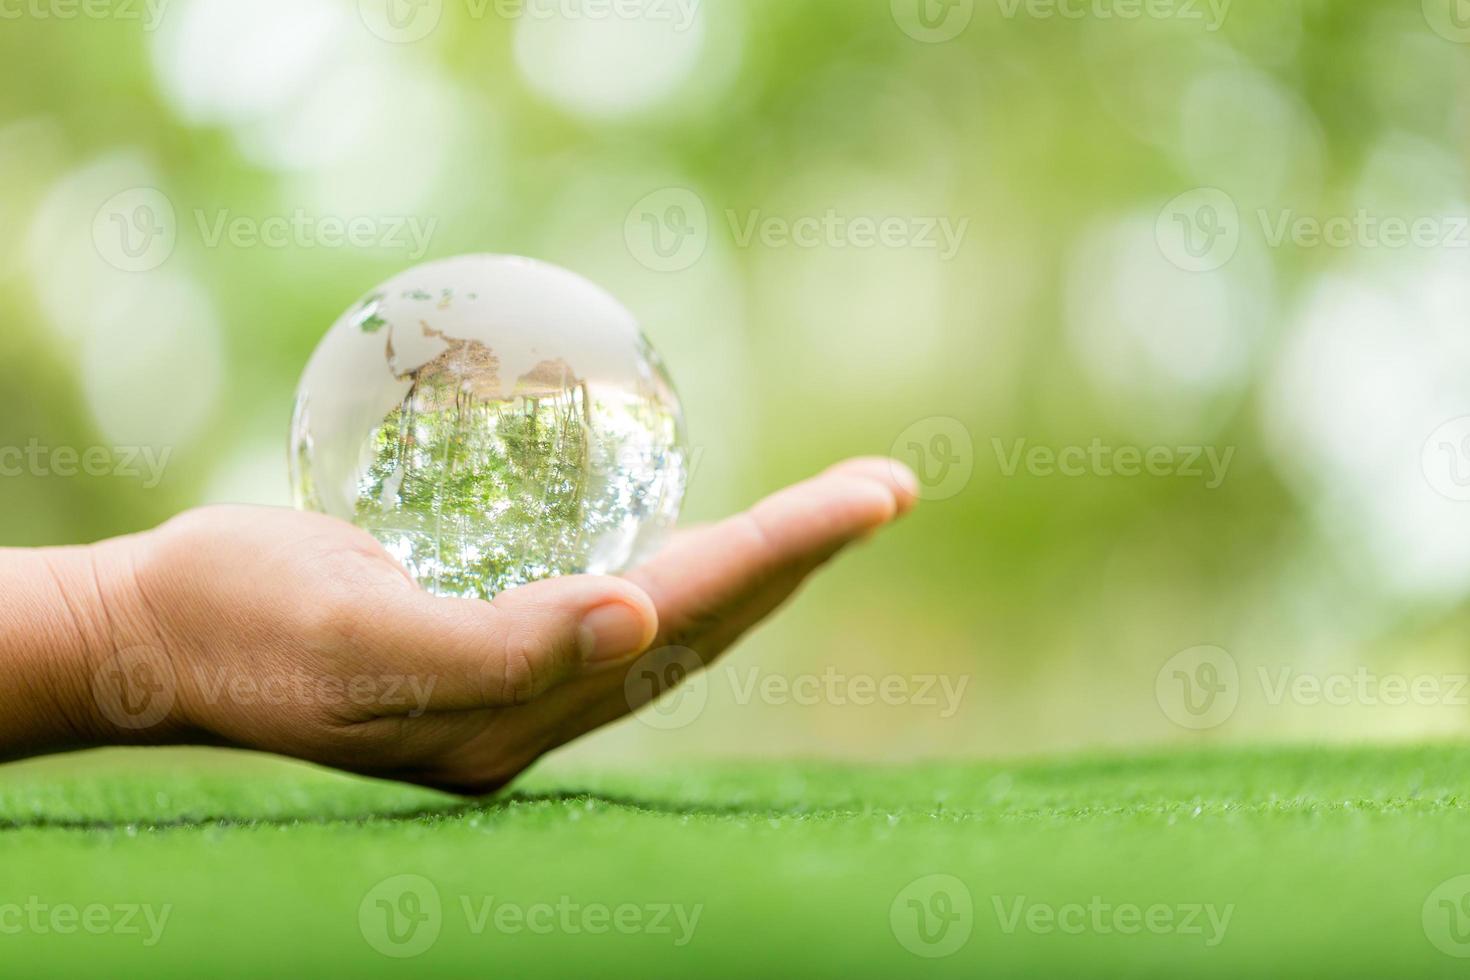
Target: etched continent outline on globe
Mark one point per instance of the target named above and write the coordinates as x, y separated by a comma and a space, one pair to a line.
492, 421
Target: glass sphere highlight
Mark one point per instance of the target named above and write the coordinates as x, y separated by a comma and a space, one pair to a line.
492, 421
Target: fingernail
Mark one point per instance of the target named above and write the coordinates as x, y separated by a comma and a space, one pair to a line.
612, 632
910, 483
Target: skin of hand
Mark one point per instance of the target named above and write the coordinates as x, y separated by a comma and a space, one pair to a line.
298, 634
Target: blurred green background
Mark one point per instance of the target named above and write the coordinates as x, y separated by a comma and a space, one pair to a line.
850, 226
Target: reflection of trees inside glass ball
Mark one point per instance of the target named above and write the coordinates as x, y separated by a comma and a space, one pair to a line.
492, 421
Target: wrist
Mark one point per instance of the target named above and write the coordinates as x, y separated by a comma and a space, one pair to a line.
85, 663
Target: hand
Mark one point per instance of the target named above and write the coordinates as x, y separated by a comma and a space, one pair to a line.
298, 634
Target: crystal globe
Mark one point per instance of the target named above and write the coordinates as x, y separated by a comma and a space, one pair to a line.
492, 421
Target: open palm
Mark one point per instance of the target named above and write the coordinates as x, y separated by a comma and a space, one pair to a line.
504, 681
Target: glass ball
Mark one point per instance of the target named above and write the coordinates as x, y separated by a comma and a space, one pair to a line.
492, 421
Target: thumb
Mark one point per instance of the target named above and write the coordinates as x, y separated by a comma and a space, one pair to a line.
473, 654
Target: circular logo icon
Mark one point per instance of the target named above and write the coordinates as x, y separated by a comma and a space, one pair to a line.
401, 916
1446, 459
1199, 231
135, 230
1199, 688
401, 21
668, 230
135, 688
933, 917
933, 21
1446, 917
940, 452
1450, 19
667, 688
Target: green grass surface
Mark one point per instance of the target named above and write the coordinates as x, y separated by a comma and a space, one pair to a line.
1325, 862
